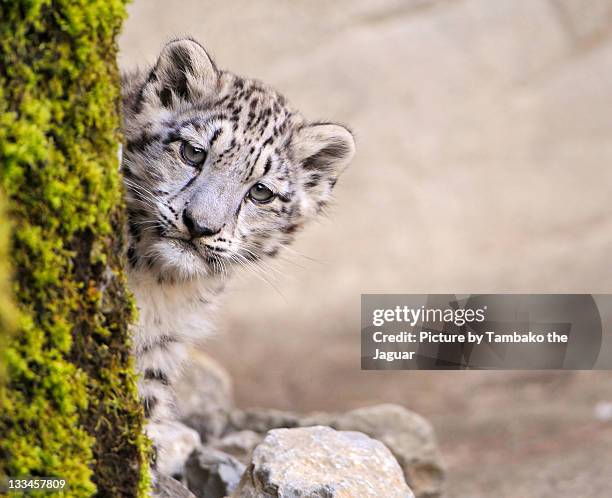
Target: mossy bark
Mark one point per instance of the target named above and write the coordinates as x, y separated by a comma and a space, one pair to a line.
68, 403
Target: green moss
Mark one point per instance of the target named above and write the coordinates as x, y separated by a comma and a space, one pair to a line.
69, 407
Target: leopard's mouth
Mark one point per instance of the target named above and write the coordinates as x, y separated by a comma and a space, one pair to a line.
183, 243
189, 244
207, 253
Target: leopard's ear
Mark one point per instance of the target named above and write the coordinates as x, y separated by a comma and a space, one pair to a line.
322, 151
184, 72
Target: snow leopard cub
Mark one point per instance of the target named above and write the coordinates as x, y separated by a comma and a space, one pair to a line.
219, 172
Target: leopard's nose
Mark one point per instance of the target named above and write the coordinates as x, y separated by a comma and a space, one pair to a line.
196, 230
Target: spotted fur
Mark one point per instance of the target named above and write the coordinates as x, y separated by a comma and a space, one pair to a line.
249, 136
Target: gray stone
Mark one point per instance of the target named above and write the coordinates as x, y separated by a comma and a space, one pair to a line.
210, 473
409, 436
178, 441
320, 462
166, 487
262, 420
204, 396
239, 444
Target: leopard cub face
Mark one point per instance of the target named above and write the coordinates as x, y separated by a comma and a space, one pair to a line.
219, 170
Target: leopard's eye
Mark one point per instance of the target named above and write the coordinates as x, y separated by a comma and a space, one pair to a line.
194, 156
260, 193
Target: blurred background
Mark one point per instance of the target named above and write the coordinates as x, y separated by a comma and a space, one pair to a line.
484, 164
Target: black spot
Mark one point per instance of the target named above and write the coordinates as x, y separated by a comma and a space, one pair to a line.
173, 136
134, 229
215, 136
313, 181
142, 142
157, 375
149, 403
272, 252
127, 172
324, 158
161, 342
165, 96
138, 101
222, 101
167, 220
268, 165
250, 172
181, 88
292, 228
257, 157
132, 256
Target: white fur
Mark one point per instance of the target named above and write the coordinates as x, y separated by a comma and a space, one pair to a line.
182, 310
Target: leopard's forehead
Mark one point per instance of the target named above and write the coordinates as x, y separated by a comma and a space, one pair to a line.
255, 110
248, 124
253, 106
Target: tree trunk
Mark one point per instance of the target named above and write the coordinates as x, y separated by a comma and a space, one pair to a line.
68, 404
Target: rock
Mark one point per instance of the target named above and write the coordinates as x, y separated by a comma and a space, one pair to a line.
204, 396
262, 420
239, 444
166, 487
320, 462
205, 401
210, 473
178, 441
409, 436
